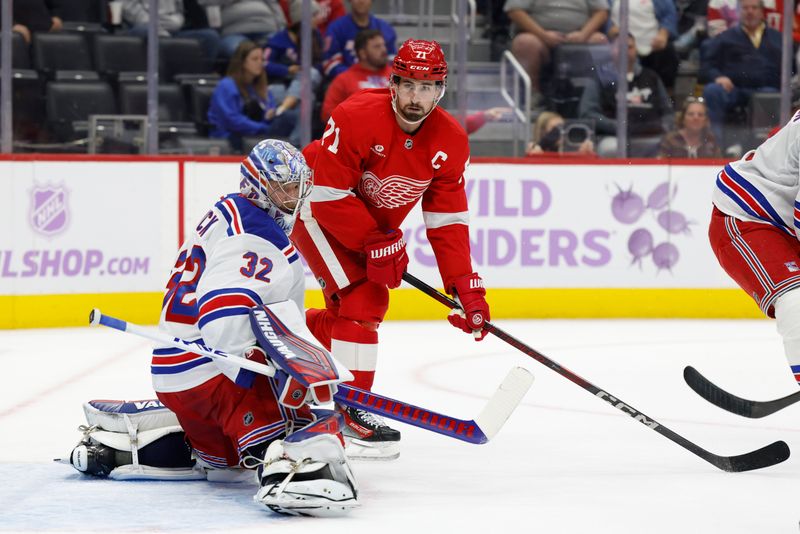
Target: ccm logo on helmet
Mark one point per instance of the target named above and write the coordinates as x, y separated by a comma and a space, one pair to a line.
419, 67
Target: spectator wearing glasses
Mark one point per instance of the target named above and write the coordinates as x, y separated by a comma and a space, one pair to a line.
693, 138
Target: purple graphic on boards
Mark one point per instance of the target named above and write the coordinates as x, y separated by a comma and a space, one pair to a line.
48, 213
628, 207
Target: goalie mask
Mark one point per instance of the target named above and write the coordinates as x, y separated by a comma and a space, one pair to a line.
276, 178
416, 65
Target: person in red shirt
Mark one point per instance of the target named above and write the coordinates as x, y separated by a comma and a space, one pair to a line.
371, 72
381, 152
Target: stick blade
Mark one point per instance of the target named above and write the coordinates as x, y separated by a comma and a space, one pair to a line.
716, 395
772, 454
504, 401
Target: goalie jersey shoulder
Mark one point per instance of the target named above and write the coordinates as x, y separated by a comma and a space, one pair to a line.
243, 217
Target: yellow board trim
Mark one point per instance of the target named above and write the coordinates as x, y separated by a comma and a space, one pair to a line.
48, 311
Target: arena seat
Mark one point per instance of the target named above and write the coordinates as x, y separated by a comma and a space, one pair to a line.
61, 51
68, 102
114, 54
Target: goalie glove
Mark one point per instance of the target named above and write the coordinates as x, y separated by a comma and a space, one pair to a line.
470, 294
291, 392
386, 258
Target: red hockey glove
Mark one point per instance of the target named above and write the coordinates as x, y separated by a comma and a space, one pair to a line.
470, 293
386, 258
291, 392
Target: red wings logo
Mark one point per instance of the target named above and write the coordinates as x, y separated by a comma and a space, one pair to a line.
391, 192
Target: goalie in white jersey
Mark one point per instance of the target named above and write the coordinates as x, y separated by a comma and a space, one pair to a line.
237, 258
755, 226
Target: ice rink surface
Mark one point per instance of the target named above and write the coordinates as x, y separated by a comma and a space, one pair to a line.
565, 462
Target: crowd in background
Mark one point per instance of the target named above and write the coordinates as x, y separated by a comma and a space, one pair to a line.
254, 46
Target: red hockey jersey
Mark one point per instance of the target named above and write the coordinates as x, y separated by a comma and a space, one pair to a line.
368, 175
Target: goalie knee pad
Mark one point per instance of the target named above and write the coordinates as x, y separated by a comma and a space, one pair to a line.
308, 473
787, 318
133, 440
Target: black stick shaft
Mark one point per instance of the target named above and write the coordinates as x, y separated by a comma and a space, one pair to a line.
771, 454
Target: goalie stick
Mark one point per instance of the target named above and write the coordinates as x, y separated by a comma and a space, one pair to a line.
477, 431
730, 402
771, 454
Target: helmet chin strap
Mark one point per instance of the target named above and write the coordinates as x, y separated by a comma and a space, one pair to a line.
402, 118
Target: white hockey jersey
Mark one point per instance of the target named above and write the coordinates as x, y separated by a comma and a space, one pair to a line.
235, 259
764, 186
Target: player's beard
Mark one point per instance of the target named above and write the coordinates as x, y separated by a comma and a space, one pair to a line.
414, 112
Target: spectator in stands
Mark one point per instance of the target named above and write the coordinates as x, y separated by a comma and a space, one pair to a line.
649, 107
370, 71
171, 23
548, 137
34, 16
541, 25
723, 15
654, 25
80, 10
340, 53
740, 61
692, 138
253, 20
243, 104
325, 12
282, 56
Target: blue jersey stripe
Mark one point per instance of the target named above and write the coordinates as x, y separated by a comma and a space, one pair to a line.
757, 195
175, 369
219, 314
228, 291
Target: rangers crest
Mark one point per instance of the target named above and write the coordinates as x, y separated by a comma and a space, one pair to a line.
391, 192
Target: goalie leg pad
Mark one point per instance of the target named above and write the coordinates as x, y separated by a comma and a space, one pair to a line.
308, 473
787, 317
124, 441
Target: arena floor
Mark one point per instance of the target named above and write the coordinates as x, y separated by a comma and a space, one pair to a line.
565, 462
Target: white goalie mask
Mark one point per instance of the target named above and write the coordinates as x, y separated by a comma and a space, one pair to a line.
276, 178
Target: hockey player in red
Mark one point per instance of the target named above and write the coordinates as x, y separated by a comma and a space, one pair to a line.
381, 152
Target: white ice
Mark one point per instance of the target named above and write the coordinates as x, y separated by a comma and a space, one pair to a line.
565, 462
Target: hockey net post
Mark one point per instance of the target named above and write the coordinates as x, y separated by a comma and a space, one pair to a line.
769, 455
476, 431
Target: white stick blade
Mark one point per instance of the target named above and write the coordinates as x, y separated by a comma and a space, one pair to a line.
504, 401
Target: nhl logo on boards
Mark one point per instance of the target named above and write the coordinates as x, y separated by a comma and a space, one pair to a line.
409, 144
248, 419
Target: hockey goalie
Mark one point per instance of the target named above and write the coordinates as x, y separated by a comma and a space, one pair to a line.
237, 285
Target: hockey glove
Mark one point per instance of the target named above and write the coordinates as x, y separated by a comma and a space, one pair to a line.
291, 393
470, 293
386, 258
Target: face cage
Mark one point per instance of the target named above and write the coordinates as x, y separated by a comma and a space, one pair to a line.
393, 82
271, 181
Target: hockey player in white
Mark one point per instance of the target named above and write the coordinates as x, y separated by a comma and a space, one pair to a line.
755, 227
236, 259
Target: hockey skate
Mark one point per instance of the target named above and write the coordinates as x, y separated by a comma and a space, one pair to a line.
310, 477
367, 437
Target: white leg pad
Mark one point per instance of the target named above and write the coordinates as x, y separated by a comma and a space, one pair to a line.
311, 477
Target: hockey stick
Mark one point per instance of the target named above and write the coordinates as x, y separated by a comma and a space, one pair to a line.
730, 402
477, 431
772, 454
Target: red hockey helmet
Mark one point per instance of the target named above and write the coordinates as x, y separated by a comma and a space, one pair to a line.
420, 60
